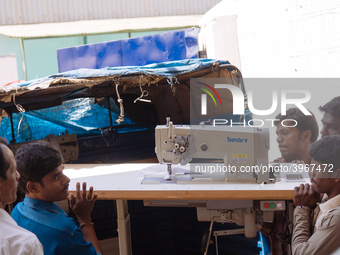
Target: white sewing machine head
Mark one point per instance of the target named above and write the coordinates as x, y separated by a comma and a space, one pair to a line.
239, 153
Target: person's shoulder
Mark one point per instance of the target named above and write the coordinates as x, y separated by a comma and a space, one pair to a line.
335, 212
26, 215
20, 241
25, 237
332, 218
26, 247
18, 233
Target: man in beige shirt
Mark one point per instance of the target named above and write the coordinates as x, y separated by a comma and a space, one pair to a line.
319, 232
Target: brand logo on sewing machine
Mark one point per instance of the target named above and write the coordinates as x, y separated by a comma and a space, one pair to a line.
237, 140
238, 99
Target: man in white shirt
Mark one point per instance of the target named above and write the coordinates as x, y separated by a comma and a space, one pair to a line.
13, 239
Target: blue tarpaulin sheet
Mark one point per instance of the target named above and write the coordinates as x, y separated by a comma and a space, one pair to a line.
79, 116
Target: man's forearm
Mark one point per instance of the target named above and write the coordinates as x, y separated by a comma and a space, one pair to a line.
88, 233
301, 232
90, 236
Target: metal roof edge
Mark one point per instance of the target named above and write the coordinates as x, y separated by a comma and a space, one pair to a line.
93, 27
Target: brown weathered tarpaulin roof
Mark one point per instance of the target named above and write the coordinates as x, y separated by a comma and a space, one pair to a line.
170, 96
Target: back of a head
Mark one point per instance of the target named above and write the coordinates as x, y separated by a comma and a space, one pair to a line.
4, 164
332, 107
327, 151
34, 161
304, 122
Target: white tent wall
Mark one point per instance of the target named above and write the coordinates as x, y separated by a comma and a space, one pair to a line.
219, 38
294, 38
278, 39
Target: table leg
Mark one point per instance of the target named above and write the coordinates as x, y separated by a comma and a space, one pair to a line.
124, 232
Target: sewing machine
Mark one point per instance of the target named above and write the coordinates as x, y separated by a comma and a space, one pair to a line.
216, 153
235, 156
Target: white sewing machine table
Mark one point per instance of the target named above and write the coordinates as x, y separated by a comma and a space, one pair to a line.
122, 182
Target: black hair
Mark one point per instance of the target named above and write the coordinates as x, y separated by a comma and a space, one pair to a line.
304, 122
327, 151
4, 164
34, 161
332, 107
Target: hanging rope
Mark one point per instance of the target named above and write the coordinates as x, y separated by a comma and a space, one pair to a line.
144, 93
120, 101
19, 108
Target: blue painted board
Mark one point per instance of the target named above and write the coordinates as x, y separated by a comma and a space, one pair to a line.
139, 51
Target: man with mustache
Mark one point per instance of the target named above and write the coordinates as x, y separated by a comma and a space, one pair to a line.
13, 239
42, 180
324, 172
294, 138
331, 118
